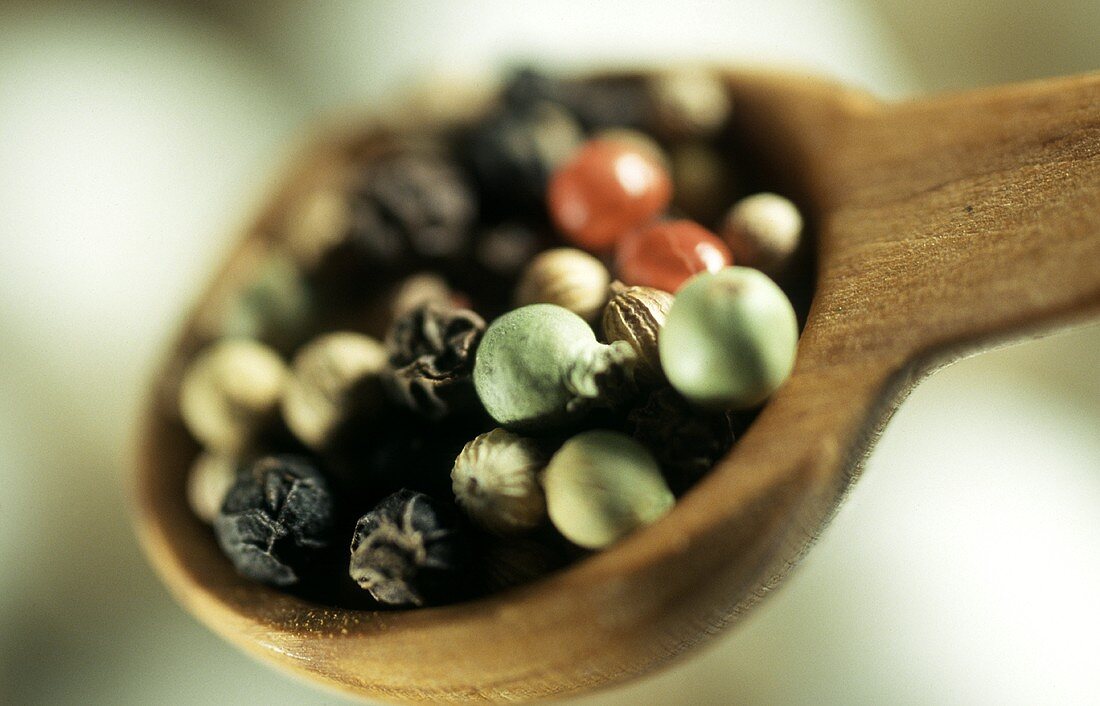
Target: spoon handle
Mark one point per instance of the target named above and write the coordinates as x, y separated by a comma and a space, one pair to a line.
964, 219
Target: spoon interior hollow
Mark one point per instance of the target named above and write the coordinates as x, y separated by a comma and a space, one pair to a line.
940, 226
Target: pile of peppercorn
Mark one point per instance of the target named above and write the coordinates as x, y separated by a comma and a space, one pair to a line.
470, 357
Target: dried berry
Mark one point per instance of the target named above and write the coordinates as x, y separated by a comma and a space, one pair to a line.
406, 551
334, 380
496, 482
685, 440
275, 518
606, 189
513, 561
432, 358
513, 154
602, 485
763, 231
664, 255
265, 297
230, 393
730, 339
209, 480
540, 366
636, 315
689, 103
568, 277
407, 208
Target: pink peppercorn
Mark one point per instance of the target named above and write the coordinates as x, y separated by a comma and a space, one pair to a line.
664, 255
610, 187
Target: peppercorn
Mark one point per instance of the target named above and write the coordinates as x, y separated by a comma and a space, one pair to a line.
399, 449
568, 277
407, 551
763, 231
636, 315
209, 480
406, 209
602, 485
318, 219
703, 181
264, 297
230, 393
540, 366
431, 358
276, 517
605, 190
334, 380
685, 440
513, 154
689, 103
504, 250
666, 254
507, 562
730, 339
496, 482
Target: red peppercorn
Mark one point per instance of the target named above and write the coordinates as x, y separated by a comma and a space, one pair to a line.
608, 188
666, 254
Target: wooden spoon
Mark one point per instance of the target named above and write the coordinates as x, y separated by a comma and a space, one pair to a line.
943, 226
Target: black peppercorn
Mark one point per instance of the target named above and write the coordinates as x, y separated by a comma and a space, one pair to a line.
432, 359
408, 551
276, 516
406, 209
513, 153
685, 440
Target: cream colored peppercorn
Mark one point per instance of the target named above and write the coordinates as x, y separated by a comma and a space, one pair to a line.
689, 103
636, 315
335, 377
495, 480
601, 485
763, 231
230, 392
208, 481
567, 277
318, 219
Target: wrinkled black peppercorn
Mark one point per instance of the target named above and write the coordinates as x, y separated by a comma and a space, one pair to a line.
275, 517
407, 208
512, 155
432, 358
685, 440
407, 551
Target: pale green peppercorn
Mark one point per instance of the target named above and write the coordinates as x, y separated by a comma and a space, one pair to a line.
730, 338
602, 485
541, 365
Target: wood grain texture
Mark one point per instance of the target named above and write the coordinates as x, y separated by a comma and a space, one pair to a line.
943, 225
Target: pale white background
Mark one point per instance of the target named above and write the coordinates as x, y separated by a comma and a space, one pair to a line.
964, 569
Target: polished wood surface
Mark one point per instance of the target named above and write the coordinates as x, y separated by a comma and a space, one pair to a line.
943, 225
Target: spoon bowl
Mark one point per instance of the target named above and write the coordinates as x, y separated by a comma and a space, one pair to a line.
942, 226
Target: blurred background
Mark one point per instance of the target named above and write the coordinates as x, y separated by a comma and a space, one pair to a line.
134, 137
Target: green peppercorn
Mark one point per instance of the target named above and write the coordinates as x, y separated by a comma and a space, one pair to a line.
601, 485
730, 339
541, 365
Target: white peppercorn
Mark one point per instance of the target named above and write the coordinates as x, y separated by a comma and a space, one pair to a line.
568, 277
495, 480
210, 478
602, 485
230, 393
335, 378
689, 103
763, 231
